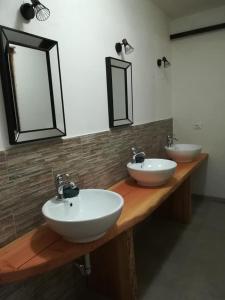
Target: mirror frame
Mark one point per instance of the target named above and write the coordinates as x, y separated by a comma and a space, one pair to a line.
109, 65
8, 85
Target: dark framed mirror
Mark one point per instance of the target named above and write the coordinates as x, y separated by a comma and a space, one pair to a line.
32, 86
120, 92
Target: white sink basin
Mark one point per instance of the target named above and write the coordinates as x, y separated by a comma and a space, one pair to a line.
86, 217
152, 172
183, 152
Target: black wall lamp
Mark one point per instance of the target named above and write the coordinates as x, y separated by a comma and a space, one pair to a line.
163, 61
127, 47
28, 11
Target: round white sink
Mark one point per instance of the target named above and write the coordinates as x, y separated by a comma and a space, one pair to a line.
183, 152
84, 218
152, 172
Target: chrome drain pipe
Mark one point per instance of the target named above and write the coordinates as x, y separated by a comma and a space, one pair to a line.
85, 268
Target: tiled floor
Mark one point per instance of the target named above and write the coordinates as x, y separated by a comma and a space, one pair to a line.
178, 262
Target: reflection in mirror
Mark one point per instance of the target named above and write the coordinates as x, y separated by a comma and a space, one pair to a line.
30, 82
32, 86
120, 93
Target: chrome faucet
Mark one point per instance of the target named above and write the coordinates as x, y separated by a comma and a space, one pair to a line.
64, 187
138, 157
170, 140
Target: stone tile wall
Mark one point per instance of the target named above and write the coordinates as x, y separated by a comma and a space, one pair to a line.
27, 175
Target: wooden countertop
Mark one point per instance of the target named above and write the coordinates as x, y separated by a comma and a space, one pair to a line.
42, 249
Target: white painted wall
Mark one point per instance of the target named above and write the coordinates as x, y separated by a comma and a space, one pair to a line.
202, 19
198, 94
87, 31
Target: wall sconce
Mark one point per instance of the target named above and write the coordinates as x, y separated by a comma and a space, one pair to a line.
163, 61
127, 47
28, 11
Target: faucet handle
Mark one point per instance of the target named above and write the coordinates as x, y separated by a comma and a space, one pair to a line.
171, 139
65, 188
138, 156
59, 178
65, 180
171, 136
62, 178
134, 150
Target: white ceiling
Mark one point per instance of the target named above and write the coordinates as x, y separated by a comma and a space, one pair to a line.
180, 8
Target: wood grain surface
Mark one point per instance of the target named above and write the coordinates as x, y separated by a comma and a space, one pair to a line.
42, 249
113, 268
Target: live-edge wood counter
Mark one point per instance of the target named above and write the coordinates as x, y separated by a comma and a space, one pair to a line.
42, 250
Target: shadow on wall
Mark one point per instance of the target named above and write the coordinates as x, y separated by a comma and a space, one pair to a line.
20, 21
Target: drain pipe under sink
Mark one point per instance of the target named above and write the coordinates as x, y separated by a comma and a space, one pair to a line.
85, 268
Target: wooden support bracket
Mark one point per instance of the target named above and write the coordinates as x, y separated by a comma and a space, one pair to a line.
113, 269
179, 205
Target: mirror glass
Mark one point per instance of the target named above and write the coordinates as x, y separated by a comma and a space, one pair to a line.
120, 94
32, 86
35, 114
